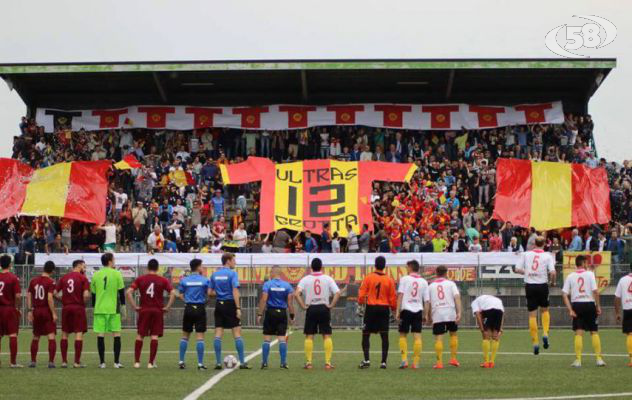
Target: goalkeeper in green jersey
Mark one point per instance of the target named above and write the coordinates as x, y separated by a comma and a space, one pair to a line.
108, 298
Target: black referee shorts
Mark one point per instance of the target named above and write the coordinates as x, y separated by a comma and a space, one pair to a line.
226, 314
586, 319
492, 319
194, 317
537, 295
275, 322
317, 320
376, 319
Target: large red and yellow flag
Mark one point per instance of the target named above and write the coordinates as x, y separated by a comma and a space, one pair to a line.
305, 195
128, 162
75, 190
551, 195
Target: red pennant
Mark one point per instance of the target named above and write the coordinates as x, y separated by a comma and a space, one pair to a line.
250, 116
534, 113
440, 116
109, 118
157, 116
297, 115
393, 114
202, 116
345, 114
487, 116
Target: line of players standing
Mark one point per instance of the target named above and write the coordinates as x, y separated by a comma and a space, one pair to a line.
412, 304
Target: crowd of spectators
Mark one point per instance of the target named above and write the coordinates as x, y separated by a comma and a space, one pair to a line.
177, 203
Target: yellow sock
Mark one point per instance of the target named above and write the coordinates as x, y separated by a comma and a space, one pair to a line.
454, 346
403, 348
596, 343
417, 345
495, 346
485, 350
628, 343
533, 329
546, 323
328, 344
309, 349
439, 350
579, 344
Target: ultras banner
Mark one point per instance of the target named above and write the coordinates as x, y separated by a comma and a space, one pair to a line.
284, 117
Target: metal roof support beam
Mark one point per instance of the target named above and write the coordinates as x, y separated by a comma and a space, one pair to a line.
448, 89
161, 89
304, 84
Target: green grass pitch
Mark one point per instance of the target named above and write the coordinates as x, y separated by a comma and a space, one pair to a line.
518, 373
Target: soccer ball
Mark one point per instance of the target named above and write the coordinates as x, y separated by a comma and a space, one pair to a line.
230, 361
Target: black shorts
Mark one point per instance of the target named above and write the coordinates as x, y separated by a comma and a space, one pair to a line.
317, 320
441, 328
492, 319
226, 314
537, 295
627, 321
410, 321
586, 316
275, 322
194, 316
376, 319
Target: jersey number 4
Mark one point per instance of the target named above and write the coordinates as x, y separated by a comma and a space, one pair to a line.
150, 291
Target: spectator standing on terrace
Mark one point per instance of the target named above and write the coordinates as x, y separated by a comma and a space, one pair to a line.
156, 241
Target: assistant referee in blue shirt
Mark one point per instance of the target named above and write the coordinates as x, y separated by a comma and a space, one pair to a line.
276, 299
194, 291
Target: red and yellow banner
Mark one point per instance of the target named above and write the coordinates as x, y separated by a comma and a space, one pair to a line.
305, 195
550, 195
598, 261
75, 190
128, 162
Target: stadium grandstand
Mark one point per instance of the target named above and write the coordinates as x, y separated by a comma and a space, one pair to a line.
177, 202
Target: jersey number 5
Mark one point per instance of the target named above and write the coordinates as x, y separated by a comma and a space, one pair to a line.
536, 263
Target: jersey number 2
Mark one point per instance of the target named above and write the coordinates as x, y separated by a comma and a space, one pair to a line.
581, 284
2, 288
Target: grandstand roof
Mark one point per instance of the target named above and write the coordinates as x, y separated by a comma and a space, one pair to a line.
249, 82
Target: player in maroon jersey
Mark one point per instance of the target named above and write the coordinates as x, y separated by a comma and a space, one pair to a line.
42, 313
9, 302
74, 291
151, 287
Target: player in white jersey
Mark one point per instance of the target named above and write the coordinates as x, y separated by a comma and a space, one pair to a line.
581, 297
623, 300
489, 313
538, 268
318, 289
412, 293
445, 314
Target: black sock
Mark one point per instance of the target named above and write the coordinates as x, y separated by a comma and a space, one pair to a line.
384, 336
117, 349
101, 348
366, 345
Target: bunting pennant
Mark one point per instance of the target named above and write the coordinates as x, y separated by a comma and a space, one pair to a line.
284, 117
549, 195
306, 195
75, 190
128, 162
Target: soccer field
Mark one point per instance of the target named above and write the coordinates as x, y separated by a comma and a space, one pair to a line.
518, 373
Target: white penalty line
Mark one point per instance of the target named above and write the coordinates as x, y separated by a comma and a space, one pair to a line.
569, 397
214, 380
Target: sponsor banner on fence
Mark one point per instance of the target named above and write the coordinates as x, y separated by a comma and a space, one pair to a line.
499, 272
598, 261
284, 117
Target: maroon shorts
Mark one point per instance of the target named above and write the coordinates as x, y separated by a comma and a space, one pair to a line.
73, 319
9, 321
150, 322
43, 323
